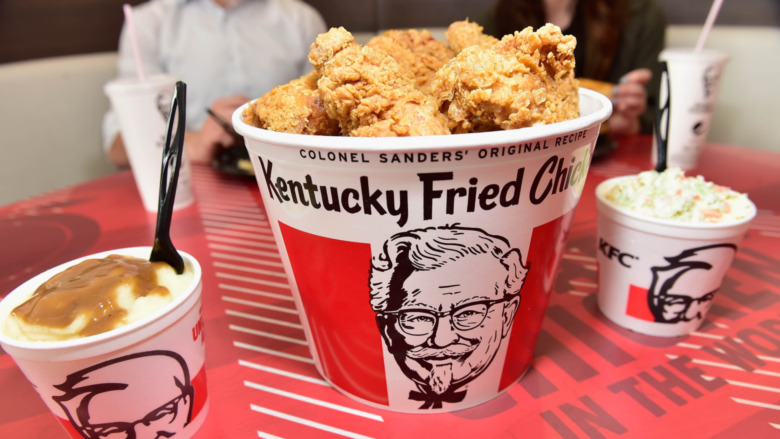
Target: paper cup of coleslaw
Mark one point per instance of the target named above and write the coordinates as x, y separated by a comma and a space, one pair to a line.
422, 266
665, 243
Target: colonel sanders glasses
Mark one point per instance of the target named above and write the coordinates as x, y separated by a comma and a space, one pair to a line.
680, 305
417, 322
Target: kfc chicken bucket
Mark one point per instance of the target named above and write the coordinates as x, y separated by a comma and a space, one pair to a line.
422, 266
126, 365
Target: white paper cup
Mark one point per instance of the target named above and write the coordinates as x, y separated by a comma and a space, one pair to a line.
142, 108
692, 91
146, 376
657, 276
496, 205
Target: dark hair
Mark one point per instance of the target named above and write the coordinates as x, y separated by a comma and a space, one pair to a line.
604, 21
81, 386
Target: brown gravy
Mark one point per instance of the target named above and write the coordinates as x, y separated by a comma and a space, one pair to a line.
89, 288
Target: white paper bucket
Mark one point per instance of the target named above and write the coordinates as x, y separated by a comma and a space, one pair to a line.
448, 242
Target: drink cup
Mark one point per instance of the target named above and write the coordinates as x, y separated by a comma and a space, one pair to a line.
689, 90
147, 377
422, 266
659, 276
142, 107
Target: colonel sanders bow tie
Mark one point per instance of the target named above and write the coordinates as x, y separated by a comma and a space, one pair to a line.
433, 400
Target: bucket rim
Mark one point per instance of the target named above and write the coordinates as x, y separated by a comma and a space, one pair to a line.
596, 106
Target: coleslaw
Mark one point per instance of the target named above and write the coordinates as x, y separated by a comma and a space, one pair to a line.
673, 196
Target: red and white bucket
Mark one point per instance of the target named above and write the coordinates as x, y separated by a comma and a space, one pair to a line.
422, 266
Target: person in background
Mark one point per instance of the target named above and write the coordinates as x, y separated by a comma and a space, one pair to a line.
618, 41
226, 51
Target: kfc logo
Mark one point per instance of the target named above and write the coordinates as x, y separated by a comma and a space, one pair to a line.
445, 299
117, 399
710, 80
676, 294
163, 103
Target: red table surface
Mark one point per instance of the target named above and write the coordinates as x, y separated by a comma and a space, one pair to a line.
590, 378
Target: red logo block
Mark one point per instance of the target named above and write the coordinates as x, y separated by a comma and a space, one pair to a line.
637, 304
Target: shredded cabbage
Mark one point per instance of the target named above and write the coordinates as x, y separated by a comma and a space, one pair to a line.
673, 196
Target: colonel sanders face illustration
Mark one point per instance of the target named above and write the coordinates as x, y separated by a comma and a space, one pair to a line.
113, 400
444, 299
675, 296
163, 103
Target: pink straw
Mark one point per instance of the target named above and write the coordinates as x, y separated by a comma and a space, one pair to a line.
705, 32
139, 64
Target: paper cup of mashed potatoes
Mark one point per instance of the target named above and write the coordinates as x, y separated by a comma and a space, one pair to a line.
665, 243
113, 344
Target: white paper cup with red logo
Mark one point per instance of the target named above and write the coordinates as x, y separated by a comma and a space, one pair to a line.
659, 276
689, 91
143, 378
142, 108
422, 266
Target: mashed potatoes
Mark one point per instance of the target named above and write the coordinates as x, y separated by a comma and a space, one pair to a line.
95, 296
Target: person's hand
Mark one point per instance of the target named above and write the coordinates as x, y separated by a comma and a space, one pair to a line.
203, 145
629, 101
117, 153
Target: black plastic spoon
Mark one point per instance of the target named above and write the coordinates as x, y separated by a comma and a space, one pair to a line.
163, 249
662, 122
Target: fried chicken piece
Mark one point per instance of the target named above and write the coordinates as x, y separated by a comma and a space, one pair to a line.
605, 88
367, 92
523, 80
462, 34
417, 51
294, 107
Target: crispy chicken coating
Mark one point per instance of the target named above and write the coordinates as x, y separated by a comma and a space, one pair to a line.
294, 107
417, 51
462, 34
386, 88
367, 91
523, 80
